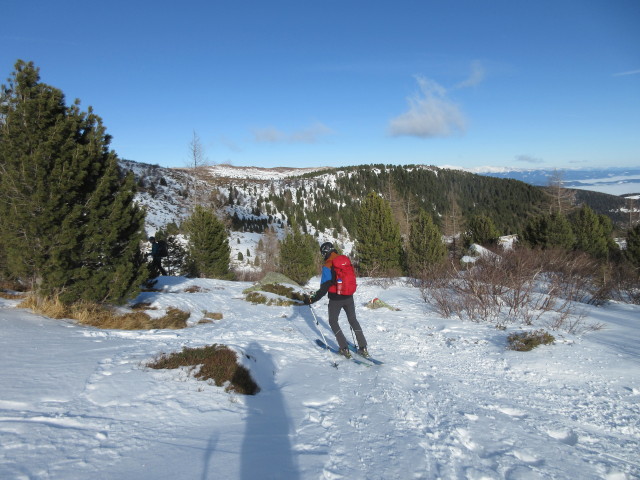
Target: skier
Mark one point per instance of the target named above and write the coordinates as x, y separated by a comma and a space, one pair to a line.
156, 256
339, 280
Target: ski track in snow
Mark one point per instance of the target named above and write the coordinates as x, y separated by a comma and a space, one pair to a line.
450, 401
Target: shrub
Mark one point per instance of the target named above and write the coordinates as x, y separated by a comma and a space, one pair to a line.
525, 341
217, 363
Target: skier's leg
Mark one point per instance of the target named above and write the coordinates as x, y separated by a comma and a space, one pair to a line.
334, 312
350, 309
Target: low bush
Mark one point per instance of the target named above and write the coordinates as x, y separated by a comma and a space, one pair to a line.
525, 341
217, 363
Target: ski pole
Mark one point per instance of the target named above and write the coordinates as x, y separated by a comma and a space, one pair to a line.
318, 325
326, 345
353, 336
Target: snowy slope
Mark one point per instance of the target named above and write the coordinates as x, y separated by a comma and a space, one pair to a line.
450, 402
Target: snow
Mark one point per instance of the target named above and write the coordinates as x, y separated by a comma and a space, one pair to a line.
258, 173
450, 402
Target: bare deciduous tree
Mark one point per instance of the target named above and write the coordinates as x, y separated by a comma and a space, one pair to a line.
561, 199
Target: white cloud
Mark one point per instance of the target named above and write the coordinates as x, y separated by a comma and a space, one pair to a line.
230, 144
623, 74
528, 159
476, 77
310, 134
431, 113
268, 135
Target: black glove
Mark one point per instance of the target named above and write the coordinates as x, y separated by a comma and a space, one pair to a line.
308, 300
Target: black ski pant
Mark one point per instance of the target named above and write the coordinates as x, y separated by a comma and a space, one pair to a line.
157, 262
335, 306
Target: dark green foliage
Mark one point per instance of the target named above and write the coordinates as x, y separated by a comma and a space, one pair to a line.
68, 224
592, 233
216, 362
633, 246
612, 206
525, 341
378, 242
507, 202
549, 230
177, 262
481, 230
425, 247
209, 248
298, 256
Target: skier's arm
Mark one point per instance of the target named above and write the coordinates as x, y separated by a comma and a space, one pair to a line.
325, 282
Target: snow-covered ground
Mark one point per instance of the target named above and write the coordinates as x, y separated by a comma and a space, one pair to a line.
257, 173
450, 402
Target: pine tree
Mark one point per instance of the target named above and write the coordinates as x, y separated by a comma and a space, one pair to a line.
208, 244
68, 224
425, 247
378, 242
632, 251
590, 232
298, 256
549, 230
481, 230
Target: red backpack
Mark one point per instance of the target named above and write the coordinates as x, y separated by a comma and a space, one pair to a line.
345, 283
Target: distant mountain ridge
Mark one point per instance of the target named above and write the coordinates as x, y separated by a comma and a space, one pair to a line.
612, 180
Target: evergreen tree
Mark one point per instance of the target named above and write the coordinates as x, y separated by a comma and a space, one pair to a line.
633, 246
378, 241
481, 230
549, 230
68, 224
425, 247
208, 244
298, 256
590, 232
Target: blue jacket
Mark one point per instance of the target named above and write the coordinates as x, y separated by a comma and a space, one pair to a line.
326, 280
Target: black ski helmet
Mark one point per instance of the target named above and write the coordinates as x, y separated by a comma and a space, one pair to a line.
326, 248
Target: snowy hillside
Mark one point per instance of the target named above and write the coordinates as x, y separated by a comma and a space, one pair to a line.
450, 402
164, 194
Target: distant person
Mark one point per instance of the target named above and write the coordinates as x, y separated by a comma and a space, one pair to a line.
156, 255
339, 280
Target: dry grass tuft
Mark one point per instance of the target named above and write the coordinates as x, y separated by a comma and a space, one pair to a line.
99, 316
217, 363
194, 289
142, 306
526, 341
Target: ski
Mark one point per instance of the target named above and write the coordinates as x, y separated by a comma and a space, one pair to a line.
324, 346
354, 349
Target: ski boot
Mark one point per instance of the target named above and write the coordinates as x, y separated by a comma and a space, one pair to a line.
362, 351
345, 352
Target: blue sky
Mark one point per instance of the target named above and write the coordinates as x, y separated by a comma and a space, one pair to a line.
333, 83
